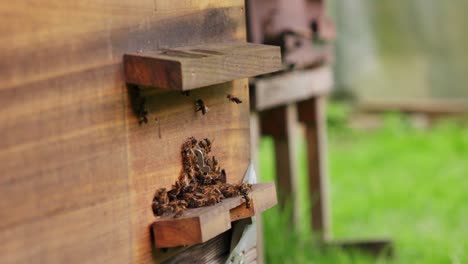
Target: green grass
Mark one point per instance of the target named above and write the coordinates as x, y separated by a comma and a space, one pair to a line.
396, 181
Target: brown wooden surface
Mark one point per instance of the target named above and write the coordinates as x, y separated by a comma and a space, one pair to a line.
291, 87
288, 23
312, 113
202, 224
77, 171
280, 123
254, 146
213, 251
193, 67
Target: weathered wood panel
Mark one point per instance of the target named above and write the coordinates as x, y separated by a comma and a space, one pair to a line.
77, 172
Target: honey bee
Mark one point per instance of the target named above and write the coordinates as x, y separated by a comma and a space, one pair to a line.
248, 201
212, 200
202, 144
182, 203
142, 113
186, 93
229, 191
155, 207
222, 176
178, 212
234, 99
200, 106
208, 145
163, 210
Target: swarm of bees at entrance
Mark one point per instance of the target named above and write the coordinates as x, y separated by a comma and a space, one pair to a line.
201, 183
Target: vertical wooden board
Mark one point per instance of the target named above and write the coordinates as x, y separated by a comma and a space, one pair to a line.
68, 193
156, 161
63, 161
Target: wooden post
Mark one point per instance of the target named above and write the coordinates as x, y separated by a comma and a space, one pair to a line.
254, 144
312, 114
280, 123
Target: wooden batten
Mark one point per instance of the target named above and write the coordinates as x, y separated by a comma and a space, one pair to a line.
198, 66
202, 224
292, 87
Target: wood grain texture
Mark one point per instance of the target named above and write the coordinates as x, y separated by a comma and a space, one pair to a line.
292, 87
199, 225
193, 67
77, 172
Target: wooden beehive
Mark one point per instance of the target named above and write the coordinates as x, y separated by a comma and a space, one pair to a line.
78, 171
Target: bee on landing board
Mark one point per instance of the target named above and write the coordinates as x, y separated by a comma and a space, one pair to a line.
196, 187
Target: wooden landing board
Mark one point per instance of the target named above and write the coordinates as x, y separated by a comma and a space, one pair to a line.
197, 66
292, 87
201, 224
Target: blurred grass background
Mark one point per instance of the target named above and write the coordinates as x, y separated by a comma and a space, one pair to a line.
395, 181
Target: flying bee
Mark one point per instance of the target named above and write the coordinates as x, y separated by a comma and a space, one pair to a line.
234, 99
200, 106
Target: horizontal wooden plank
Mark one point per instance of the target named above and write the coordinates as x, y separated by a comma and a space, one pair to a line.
215, 250
201, 224
197, 66
292, 87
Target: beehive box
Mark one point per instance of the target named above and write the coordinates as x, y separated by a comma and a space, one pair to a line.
78, 171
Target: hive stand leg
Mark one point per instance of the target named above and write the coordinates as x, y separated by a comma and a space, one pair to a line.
254, 144
281, 123
312, 113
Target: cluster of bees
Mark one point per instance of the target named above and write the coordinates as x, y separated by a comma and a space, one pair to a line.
201, 183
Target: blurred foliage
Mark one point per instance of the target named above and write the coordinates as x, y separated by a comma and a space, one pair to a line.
402, 50
396, 181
